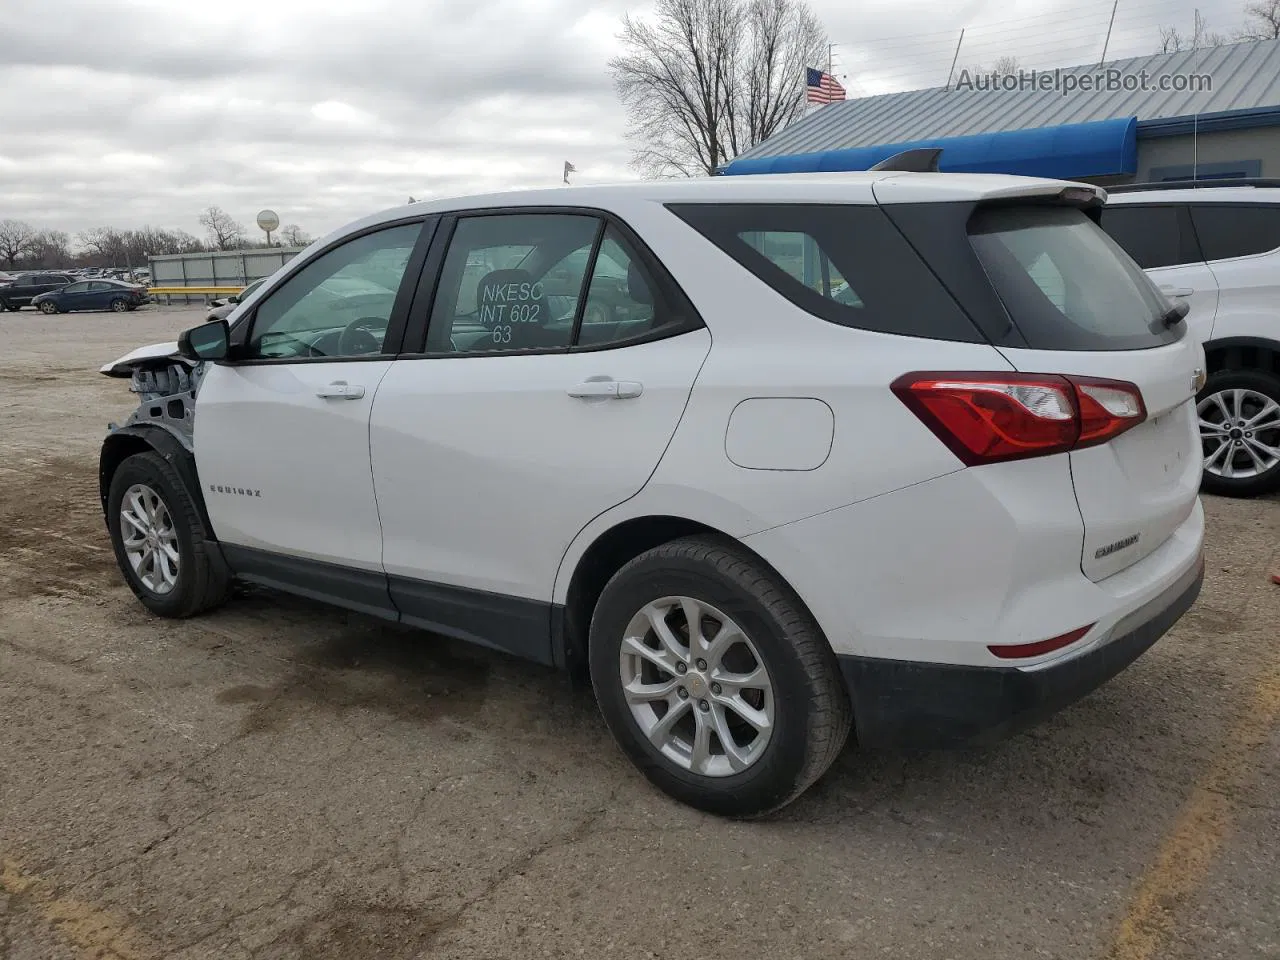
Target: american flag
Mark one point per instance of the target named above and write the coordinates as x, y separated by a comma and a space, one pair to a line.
822, 87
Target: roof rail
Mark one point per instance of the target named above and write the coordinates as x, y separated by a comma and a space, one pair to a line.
919, 160
1197, 184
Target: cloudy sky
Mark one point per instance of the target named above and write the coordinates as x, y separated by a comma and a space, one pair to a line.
132, 112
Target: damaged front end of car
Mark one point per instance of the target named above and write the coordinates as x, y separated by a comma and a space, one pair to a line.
166, 384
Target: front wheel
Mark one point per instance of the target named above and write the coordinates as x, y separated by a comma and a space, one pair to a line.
715, 680
119, 306
1240, 433
159, 541
48, 307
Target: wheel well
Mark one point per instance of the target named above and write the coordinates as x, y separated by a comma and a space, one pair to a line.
116, 449
1242, 353
144, 438
609, 554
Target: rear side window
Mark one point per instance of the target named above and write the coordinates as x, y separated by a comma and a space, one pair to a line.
1236, 230
845, 263
1065, 282
1155, 236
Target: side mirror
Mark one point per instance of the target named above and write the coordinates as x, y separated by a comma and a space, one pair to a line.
209, 341
234, 298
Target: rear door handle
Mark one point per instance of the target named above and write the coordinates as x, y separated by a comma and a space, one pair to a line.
341, 390
1176, 291
616, 389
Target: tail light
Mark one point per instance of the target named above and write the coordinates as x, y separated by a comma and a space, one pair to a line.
992, 417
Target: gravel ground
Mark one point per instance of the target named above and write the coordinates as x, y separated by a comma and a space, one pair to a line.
284, 780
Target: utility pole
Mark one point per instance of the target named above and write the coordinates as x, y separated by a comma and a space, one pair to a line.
1107, 42
954, 59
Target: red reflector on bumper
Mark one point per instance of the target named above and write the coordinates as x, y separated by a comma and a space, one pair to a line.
1019, 651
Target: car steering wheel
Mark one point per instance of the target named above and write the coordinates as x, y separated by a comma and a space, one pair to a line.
356, 338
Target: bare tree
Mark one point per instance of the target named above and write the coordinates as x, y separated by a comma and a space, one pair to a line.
16, 237
48, 248
224, 232
103, 242
1262, 21
292, 235
1005, 66
1171, 40
707, 79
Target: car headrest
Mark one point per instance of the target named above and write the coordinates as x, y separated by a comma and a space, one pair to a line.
637, 285
511, 286
512, 298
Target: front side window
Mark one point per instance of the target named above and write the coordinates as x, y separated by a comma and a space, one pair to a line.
76, 288
339, 304
1066, 283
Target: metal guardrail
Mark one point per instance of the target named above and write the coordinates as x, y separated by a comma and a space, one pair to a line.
168, 293
207, 291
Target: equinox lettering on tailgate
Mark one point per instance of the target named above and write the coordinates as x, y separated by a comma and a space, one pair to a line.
1116, 547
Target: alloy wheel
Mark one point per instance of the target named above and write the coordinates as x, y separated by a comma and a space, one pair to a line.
150, 539
1239, 433
697, 687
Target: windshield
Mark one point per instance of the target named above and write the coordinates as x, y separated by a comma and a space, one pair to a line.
1066, 284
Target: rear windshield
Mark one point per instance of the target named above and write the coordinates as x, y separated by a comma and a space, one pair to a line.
1066, 284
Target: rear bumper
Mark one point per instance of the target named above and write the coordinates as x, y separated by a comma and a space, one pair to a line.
904, 703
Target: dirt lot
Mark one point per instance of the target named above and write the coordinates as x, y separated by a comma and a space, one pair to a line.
284, 780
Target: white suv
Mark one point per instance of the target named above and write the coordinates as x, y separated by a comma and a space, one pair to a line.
768, 458
1217, 245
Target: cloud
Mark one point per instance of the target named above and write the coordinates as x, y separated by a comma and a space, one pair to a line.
146, 111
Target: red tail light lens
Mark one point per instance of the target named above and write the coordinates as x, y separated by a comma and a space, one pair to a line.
993, 417
1107, 409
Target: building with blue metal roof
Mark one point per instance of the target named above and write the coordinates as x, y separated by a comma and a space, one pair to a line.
1207, 113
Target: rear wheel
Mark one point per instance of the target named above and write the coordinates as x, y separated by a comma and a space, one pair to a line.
48, 307
1240, 432
119, 306
159, 541
715, 680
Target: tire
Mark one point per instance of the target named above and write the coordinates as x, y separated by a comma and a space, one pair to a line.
1244, 395
810, 708
48, 307
200, 583
119, 306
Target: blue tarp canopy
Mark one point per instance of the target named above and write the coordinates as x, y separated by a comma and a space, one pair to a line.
1071, 151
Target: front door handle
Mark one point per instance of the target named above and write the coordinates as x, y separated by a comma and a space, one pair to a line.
615, 389
1176, 291
341, 390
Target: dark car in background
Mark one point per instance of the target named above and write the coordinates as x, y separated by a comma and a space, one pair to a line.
27, 286
113, 295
